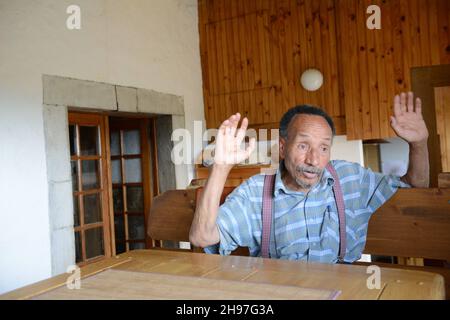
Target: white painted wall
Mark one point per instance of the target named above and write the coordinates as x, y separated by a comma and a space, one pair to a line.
151, 44
343, 149
394, 156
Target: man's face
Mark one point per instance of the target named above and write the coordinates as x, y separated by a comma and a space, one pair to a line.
306, 151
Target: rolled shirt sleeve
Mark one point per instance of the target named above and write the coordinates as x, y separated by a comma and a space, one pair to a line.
377, 188
233, 222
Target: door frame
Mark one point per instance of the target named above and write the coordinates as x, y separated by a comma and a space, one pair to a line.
82, 118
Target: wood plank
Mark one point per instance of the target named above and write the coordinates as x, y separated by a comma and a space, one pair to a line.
405, 55
352, 67
444, 180
379, 116
175, 226
291, 73
299, 48
424, 25
341, 54
442, 106
260, 33
434, 31
60, 280
444, 32
390, 77
366, 63
118, 284
309, 52
318, 53
415, 48
333, 61
413, 223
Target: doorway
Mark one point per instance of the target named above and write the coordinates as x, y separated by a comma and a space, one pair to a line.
112, 163
424, 81
130, 176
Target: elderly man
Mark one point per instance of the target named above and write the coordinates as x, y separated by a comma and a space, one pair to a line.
313, 209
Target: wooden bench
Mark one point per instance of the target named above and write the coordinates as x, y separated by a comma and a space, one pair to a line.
413, 223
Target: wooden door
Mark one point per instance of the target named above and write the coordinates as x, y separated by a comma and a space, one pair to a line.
442, 100
131, 191
88, 155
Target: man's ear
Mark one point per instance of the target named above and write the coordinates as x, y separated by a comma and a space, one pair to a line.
282, 143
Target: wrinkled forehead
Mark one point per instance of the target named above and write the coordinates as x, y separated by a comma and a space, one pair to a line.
314, 126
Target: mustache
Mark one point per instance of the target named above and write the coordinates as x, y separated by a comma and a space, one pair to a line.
309, 169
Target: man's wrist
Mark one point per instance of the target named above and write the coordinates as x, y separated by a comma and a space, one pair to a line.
419, 144
222, 168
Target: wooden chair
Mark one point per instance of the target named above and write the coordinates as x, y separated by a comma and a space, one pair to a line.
171, 215
413, 223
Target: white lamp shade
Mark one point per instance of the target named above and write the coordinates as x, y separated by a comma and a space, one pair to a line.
312, 79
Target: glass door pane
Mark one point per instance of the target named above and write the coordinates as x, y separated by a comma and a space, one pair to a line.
92, 236
128, 182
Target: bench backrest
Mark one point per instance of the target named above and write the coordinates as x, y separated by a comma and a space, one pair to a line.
413, 223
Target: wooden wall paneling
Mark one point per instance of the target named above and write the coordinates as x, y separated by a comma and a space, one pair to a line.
414, 26
279, 50
309, 62
212, 66
204, 44
353, 107
292, 73
406, 54
424, 27
251, 61
397, 48
259, 49
221, 61
264, 34
444, 32
329, 44
237, 105
244, 96
279, 91
442, 99
434, 30
263, 83
297, 49
372, 106
341, 80
318, 53
301, 94
379, 114
366, 62
390, 78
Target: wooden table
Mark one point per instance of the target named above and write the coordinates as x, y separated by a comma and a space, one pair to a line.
237, 277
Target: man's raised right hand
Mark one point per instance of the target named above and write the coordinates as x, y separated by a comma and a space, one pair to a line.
228, 151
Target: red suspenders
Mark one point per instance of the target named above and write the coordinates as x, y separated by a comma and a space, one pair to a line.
269, 181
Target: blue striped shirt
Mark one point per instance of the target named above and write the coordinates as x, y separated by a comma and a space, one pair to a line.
306, 225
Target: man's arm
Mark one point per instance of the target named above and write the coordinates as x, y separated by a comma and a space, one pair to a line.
409, 125
418, 174
227, 153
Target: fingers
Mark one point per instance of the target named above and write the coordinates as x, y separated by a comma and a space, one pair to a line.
397, 108
241, 132
403, 102
234, 122
251, 147
394, 124
419, 106
230, 125
410, 106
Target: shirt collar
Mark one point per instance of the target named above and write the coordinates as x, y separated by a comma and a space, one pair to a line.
327, 180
